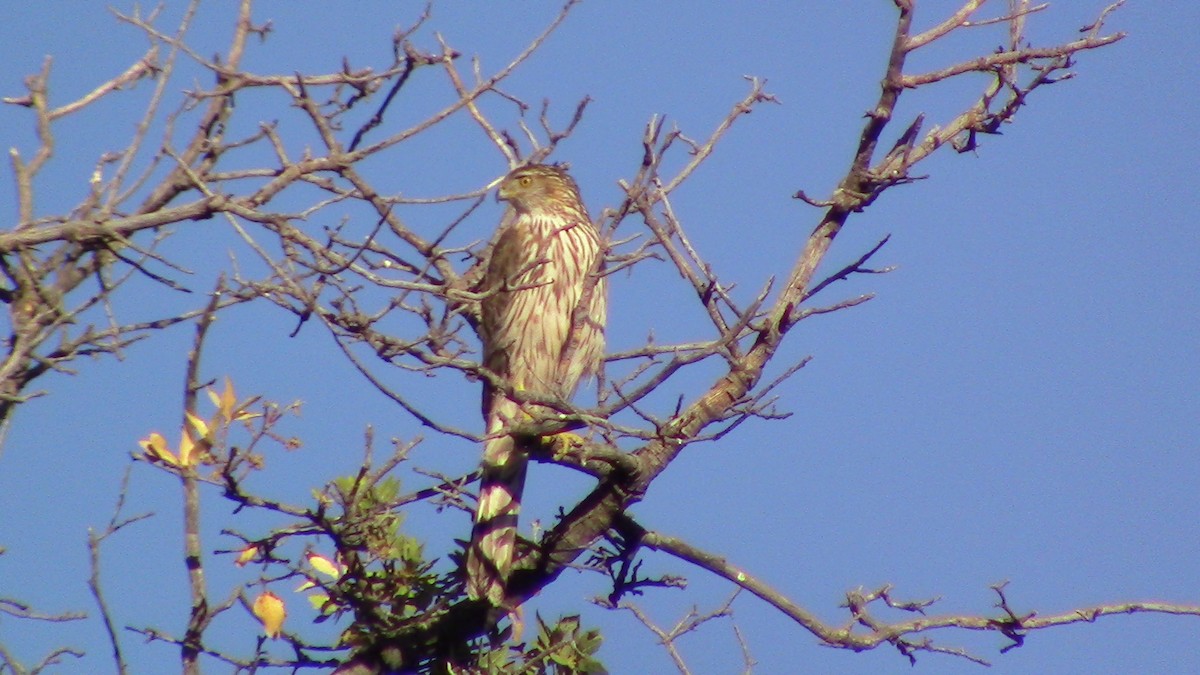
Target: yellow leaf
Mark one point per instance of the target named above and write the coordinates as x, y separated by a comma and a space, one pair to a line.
228, 399
196, 442
214, 397
324, 565
201, 427
155, 447
270, 611
240, 413
185, 449
320, 602
248, 554
227, 395
227, 403
308, 583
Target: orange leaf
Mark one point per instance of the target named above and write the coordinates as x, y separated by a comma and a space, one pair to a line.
228, 400
155, 447
270, 611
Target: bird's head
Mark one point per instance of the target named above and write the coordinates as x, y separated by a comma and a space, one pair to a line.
530, 186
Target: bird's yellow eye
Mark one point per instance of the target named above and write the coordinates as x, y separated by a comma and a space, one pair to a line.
525, 181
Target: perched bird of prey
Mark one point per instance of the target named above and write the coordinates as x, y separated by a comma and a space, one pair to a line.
542, 326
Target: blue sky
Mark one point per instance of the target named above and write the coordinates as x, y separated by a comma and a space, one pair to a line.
1019, 401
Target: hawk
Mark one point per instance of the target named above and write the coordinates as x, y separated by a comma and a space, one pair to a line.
542, 325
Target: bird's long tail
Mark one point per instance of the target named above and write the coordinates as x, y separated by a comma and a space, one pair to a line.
494, 537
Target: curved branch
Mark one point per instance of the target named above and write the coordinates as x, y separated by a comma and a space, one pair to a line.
896, 634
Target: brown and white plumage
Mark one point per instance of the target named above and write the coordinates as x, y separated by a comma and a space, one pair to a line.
542, 326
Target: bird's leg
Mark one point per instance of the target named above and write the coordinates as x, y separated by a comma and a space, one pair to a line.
561, 444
